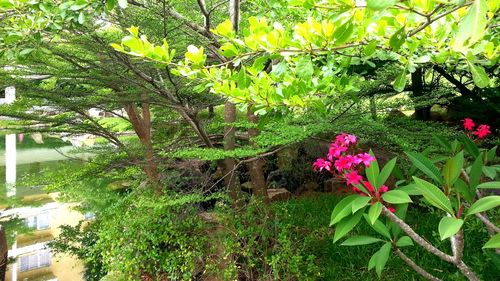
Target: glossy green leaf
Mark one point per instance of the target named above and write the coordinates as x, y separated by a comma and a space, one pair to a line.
490, 185
374, 212
475, 172
304, 68
397, 39
464, 190
386, 172
360, 240
493, 243
442, 141
479, 75
347, 224
400, 82
469, 145
343, 32
379, 227
449, 226
490, 156
490, 172
434, 195
404, 241
472, 26
484, 204
410, 189
452, 169
373, 172
396, 197
359, 203
342, 209
425, 165
379, 259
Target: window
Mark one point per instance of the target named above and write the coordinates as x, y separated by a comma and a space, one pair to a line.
39, 222
35, 260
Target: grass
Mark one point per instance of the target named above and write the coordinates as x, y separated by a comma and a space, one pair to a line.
310, 218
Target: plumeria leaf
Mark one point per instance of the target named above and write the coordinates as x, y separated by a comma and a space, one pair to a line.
434, 195
490, 185
342, 209
449, 226
452, 168
425, 165
400, 213
464, 190
372, 172
410, 189
396, 197
404, 241
379, 227
374, 212
490, 172
442, 141
360, 240
490, 156
493, 243
381, 258
386, 172
469, 145
359, 203
346, 225
475, 172
484, 204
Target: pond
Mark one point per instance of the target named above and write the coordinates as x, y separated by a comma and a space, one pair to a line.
41, 214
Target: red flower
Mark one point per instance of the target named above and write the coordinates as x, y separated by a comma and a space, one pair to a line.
392, 210
353, 178
482, 131
383, 189
368, 186
321, 164
468, 124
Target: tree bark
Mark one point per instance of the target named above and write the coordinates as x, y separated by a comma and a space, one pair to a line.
3, 253
417, 83
415, 267
256, 167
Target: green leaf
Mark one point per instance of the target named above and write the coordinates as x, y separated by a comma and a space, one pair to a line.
475, 172
397, 39
360, 240
342, 209
380, 4
81, 18
400, 82
371, 48
472, 27
425, 165
386, 172
372, 172
490, 185
464, 190
379, 227
243, 79
404, 241
449, 226
379, 259
346, 225
493, 243
374, 212
344, 32
410, 189
400, 213
469, 145
434, 195
452, 169
359, 203
490, 172
490, 156
442, 141
484, 204
479, 75
396, 197
304, 68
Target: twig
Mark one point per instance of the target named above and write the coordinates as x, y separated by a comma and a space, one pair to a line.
415, 267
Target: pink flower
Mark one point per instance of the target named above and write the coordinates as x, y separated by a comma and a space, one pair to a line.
482, 131
468, 124
383, 189
366, 158
392, 210
344, 163
335, 151
353, 178
321, 164
350, 139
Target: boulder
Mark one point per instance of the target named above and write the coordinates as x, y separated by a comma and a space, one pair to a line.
278, 194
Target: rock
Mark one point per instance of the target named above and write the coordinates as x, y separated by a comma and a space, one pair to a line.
311, 186
278, 194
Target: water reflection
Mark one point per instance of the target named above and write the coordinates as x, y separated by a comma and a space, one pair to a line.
41, 212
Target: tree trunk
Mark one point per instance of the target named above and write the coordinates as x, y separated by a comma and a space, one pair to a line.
256, 167
417, 83
3, 253
142, 128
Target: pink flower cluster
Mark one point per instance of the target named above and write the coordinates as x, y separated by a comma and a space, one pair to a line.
482, 130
